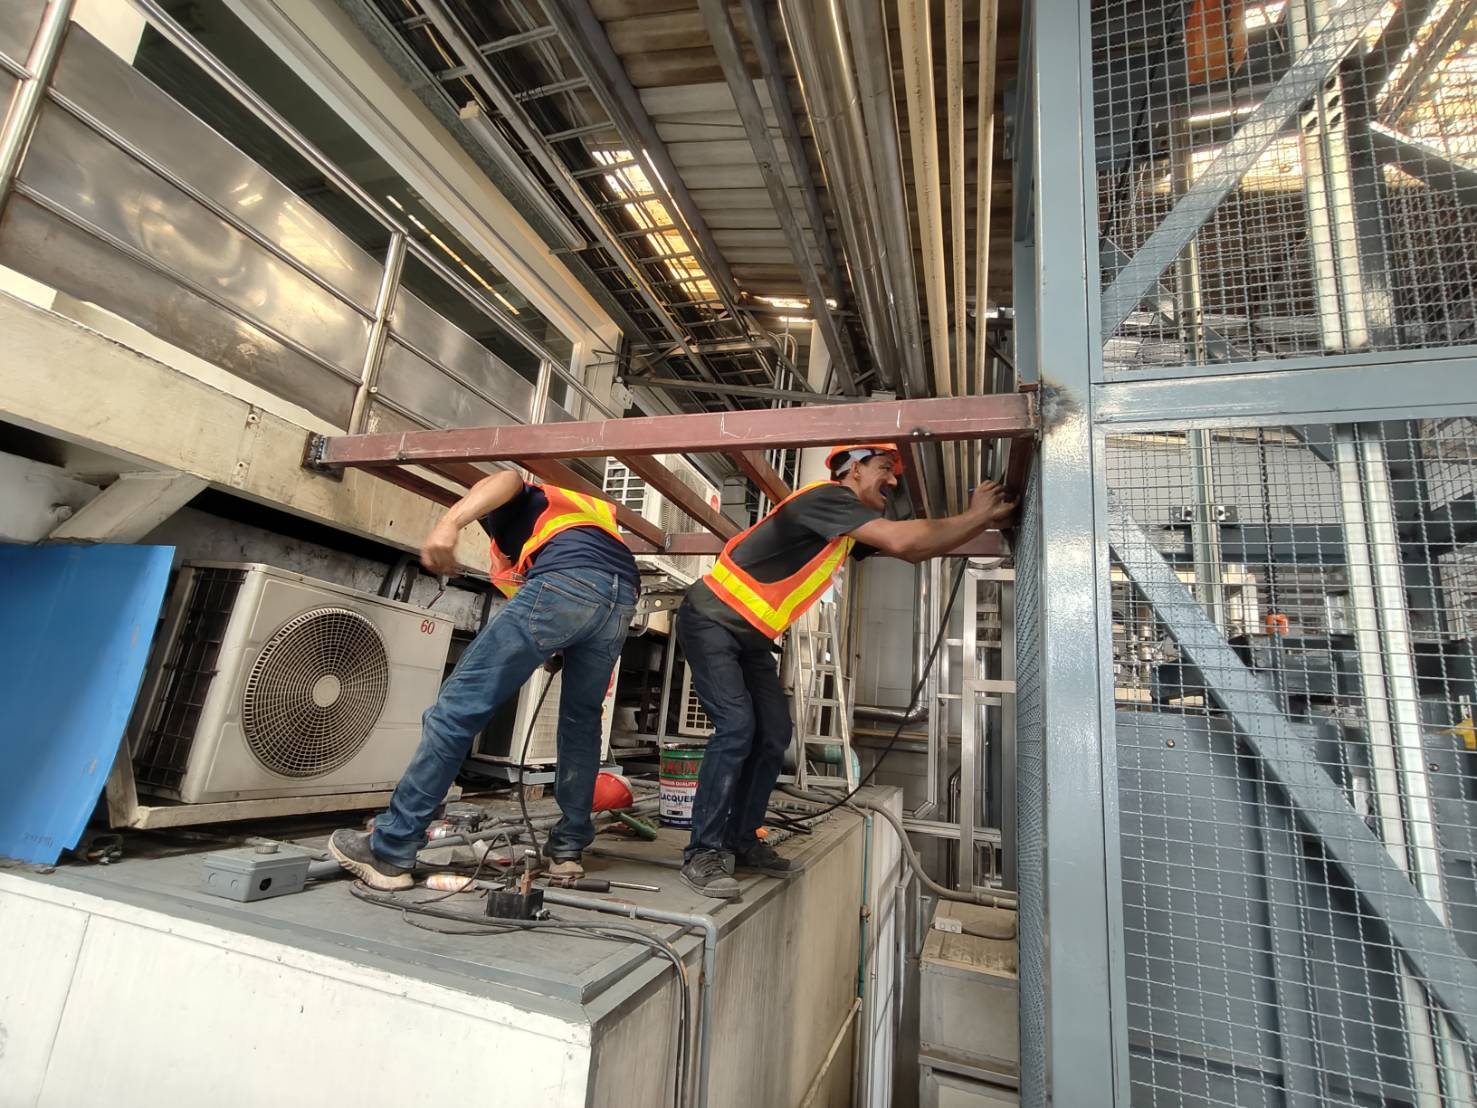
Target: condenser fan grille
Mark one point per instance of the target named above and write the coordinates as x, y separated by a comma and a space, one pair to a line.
315, 692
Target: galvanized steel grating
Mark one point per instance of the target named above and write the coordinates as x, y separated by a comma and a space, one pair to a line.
1282, 178
1295, 671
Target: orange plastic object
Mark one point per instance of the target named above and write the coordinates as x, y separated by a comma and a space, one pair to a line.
1215, 39
612, 792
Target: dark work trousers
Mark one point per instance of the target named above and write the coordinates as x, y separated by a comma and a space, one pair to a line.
736, 677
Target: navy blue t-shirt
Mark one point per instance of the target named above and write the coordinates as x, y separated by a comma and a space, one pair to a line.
578, 548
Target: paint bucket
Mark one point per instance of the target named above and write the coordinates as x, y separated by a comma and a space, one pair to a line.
680, 767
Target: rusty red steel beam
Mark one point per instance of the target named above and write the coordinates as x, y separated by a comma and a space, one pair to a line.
664, 481
913, 480
463, 473
414, 482
639, 530
557, 473
990, 544
935, 420
553, 472
1016, 464
756, 469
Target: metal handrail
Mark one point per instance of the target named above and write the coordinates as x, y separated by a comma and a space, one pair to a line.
213, 67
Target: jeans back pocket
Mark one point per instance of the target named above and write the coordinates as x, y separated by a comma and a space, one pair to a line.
560, 619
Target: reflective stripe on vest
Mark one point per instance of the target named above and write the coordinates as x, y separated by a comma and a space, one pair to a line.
772, 607
566, 511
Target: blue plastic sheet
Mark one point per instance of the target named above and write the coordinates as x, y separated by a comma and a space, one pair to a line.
75, 627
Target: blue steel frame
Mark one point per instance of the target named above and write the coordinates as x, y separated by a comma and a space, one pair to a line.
1076, 1052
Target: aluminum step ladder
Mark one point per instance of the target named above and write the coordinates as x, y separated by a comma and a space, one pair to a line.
822, 696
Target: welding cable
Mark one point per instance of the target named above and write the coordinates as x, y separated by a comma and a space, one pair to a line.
523, 757
611, 931
847, 801
912, 700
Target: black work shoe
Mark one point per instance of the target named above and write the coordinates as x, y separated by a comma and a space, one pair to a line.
710, 872
765, 859
351, 848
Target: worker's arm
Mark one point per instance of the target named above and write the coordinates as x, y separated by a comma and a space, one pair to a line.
915, 540
438, 552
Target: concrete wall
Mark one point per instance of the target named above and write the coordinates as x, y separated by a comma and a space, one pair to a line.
127, 411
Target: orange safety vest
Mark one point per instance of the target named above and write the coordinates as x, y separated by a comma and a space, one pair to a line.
772, 607
566, 511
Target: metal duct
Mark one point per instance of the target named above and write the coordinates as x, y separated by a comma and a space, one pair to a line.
862, 162
922, 636
825, 80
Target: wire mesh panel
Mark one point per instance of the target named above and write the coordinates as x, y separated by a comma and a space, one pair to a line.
1295, 669
1030, 792
1284, 178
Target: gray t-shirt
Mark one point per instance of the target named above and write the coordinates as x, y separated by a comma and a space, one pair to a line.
784, 541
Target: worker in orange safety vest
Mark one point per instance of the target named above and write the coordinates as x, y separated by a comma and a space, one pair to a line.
572, 586
765, 579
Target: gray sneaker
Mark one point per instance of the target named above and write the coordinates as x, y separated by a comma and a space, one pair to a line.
351, 848
765, 859
710, 872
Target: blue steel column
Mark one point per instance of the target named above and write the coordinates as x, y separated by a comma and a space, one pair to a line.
1086, 1058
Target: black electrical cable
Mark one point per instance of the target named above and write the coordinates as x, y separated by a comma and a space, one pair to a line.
611, 930
912, 700
523, 757
471, 882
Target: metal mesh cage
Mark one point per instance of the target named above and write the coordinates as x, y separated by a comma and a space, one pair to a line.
1030, 793
1294, 671
1284, 178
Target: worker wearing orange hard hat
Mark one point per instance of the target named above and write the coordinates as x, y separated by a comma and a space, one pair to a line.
765, 579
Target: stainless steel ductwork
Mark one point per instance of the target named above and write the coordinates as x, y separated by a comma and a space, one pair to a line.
841, 58
922, 640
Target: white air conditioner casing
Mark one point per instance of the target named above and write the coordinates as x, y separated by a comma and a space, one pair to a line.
692, 720
506, 747
633, 492
265, 683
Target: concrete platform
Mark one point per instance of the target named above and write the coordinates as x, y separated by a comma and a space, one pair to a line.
128, 982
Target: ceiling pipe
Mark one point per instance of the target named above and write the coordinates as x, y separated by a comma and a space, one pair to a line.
724, 37
984, 187
459, 42
884, 150
836, 124
916, 38
757, 14
959, 454
862, 161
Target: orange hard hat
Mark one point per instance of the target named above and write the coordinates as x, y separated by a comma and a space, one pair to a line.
873, 447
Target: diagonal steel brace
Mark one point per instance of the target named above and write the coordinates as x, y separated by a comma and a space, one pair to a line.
1445, 971
1198, 203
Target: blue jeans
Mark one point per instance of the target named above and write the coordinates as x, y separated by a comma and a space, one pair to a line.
584, 614
737, 681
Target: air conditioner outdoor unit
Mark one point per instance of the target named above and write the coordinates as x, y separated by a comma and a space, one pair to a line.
502, 741
265, 683
633, 492
692, 721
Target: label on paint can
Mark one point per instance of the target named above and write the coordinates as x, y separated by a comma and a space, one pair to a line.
676, 802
